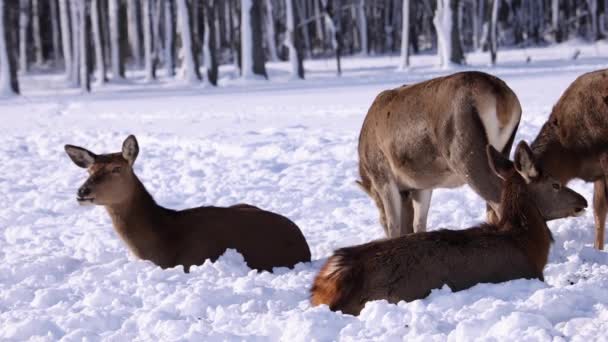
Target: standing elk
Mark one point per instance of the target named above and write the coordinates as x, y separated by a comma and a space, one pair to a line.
409, 267
433, 134
573, 143
188, 237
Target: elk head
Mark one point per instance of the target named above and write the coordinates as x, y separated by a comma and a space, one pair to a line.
111, 178
553, 200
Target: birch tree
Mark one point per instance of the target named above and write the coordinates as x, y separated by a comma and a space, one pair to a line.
405, 36
252, 54
133, 25
55, 28
493, 31
24, 19
97, 41
295, 57
118, 69
9, 84
66, 37
362, 23
210, 42
270, 33
189, 71
76, 48
150, 62
169, 31
37, 39
83, 45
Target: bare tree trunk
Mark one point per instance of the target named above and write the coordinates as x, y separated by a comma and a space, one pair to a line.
210, 42
38, 53
252, 53
118, 70
66, 37
55, 28
270, 34
83, 45
9, 18
338, 33
24, 18
457, 54
493, 31
96, 30
297, 70
150, 62
320, 31
189, 66
405, 36
362, 23
555, 20
169, 26
303, 38
76, 33
133, 31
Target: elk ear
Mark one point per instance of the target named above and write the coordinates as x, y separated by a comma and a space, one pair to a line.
130, 149
500, 165
524, 162
80, 156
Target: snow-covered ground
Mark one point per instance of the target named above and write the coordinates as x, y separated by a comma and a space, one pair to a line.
286, 146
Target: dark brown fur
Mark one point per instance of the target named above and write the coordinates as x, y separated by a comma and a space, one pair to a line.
409, 267
574, 139
187, 237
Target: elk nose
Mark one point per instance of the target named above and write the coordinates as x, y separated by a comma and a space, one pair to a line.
84, 191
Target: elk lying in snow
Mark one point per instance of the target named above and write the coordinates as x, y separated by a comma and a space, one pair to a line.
409, 267
573, 143
188, 237
433, 134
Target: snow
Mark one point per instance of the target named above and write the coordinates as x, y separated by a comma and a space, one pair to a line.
289, 147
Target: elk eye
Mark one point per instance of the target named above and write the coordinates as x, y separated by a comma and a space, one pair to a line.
556, 186
116, 169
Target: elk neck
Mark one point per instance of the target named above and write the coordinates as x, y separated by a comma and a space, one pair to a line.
521, 216
139, 221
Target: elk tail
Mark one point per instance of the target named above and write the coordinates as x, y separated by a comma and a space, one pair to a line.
336, 280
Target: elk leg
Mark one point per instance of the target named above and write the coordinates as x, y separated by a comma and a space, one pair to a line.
421, 201
600, 208
407, 213
391, 201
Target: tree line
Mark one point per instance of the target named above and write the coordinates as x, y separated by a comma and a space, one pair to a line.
94, 41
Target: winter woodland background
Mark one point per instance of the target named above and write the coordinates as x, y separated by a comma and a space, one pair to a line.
95, 41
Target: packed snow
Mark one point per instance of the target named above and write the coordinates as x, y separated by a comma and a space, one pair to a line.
286, 146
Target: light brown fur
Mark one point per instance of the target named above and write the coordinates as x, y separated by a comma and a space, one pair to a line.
187, 237
409, 267
574, 140
430, 135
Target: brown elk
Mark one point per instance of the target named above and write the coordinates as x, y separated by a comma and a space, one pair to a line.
573, 143
188, 237
433, 134
409, 267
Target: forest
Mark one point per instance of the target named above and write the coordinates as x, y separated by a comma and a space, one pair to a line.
94, 41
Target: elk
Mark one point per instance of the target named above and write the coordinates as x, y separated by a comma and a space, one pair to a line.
187, 237
410, 266
433, 134
573, 143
